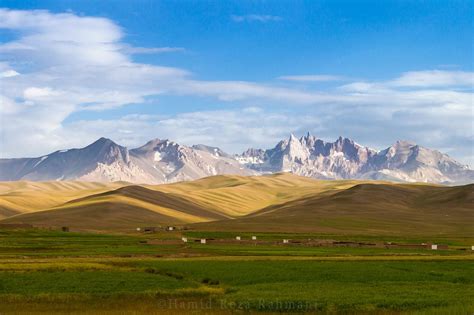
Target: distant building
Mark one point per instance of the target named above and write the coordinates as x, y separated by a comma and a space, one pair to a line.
170, 228
203, 241
238, 238
286, 241
437, 246
254, 238
150, 229
184, 239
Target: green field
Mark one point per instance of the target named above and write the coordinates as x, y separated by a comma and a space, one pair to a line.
50, 271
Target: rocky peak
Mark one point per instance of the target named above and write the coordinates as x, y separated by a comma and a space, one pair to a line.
217, 152
99, 144
156, 145
251, 152
103, 151
292, 138
399, 153
350, 149
158, 150
308, 140
295, 150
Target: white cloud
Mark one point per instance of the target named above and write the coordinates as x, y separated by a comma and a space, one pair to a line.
242, 90
434, 78
255, 18
35, 93
312, 78
53, 39
8, 74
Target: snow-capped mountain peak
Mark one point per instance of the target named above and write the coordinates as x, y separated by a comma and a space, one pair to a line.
164, 161
345, 158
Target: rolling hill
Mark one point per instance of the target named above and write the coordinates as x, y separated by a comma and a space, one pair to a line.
24, 196
278, 202
121, 209
242, 195
378, 209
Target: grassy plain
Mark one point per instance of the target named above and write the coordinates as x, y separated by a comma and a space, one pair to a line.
52, 271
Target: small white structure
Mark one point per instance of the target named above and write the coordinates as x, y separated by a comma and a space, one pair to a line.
286, 241
203, 241
238, 238
254, 238
138, 229
434, 247
472, 247
170, 228
184, 239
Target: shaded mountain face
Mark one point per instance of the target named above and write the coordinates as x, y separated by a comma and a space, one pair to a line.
164, 161
89, 163
345, 159
158, 161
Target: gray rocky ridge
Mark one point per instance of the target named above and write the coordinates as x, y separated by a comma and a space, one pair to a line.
164, 161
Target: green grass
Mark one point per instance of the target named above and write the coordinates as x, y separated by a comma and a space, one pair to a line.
36, 242
289, 250
272, 285
46, 243
72, 272
92, 282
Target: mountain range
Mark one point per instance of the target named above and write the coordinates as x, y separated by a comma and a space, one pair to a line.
164, 161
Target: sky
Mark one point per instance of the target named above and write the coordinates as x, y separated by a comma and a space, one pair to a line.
235, 74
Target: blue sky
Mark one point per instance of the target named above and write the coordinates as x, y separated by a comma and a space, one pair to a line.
236, 73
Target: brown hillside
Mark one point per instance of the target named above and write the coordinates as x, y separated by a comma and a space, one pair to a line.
368, 209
